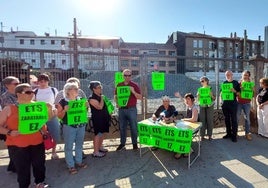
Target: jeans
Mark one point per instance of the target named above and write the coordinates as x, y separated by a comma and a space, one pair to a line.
128, 116
73, 136
53, 126
246, 109
229, 110
26, 157
206, 117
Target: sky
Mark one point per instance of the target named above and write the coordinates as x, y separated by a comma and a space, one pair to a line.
136, 20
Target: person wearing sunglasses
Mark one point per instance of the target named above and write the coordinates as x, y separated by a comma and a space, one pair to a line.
7, 98
128, 113
206, 108
26, 150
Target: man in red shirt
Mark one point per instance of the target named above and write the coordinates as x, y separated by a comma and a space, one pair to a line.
128, 111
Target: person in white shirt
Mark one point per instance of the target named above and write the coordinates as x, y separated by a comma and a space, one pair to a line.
48, 94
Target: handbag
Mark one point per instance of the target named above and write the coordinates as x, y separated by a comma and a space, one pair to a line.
48, 140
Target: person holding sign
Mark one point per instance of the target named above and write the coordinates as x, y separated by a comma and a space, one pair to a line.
229, 90
22, 123
244, 100
191, 116
7, 98
165, 112
262, 109
73, 112
126, 95
100, 118
206, 102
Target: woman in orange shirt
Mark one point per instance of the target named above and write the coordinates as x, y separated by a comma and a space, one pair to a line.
26, 150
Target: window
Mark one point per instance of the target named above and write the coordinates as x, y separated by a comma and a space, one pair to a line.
195, 43
162, 64
195, 53
62, 42
52, 42
134, 52
124, 52
63, 62
134, 63
33, 61
21, 41
171, 63
42, 42
172, 53
124, 63
32, 41
200, 44
162, 52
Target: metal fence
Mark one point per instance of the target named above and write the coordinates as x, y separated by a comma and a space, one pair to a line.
102, 66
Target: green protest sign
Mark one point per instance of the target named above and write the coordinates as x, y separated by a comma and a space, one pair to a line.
144, 134
109, 105
158, 80
118, 77
204, 96
226, 87
123, 94
32, 117
246, 94
227, 96
184, 141
247, 85
77, 112
165, 137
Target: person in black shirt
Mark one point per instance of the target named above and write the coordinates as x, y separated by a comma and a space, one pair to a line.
229, 107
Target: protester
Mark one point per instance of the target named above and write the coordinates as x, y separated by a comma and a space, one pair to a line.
47, 94
8, 98
128, 112
191, 116
100, 118
229, 105
206, 109
72, 133
262, 109
244, 103
165, 111
26, 150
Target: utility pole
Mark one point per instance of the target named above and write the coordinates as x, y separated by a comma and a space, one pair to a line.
75, 51
2, 35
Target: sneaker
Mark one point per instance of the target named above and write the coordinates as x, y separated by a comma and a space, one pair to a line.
226, 136
120, 147
41, 185
98, 154
135, 146
84, 155
54, 156
248, 137
103, 150
177, 155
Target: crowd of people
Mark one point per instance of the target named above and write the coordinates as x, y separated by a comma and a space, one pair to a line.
67, 110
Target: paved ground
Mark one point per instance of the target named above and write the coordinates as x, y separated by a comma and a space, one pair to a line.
222, 164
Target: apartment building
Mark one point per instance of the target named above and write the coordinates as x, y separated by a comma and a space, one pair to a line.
201, 52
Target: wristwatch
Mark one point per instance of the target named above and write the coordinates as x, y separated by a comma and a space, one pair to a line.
9, 132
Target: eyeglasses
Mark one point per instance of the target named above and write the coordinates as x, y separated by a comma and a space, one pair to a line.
202, 81
27, 92
127, 75
15, 84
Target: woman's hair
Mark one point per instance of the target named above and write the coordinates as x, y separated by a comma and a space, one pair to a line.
69, 86
94, 84
73, 79
43, 77
190, 95
264, 81
20, 88
204, 78
9, 80
246, 72
165, 98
